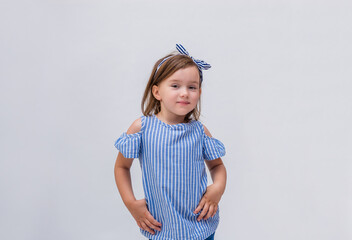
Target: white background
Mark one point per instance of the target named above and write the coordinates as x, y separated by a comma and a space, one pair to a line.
278, 96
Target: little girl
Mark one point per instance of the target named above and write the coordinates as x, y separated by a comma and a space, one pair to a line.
172, 147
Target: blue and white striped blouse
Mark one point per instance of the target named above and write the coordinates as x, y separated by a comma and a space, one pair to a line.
174, 175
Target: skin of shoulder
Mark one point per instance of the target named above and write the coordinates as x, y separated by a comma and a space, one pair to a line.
206, 131
135, 127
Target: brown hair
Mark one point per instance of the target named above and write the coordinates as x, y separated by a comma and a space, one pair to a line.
150, 105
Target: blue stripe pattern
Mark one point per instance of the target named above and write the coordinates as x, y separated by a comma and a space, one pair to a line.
174, 174
200, 63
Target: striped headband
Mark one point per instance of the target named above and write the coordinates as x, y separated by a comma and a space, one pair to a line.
200, 63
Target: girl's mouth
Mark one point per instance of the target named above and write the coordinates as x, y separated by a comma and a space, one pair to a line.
183, 102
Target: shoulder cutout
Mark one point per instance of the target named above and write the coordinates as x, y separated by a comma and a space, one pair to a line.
207, 131
135, 127
212, 147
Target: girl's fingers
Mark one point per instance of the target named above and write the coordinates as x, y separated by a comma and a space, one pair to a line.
215, 210
146, 228
210, 212
204, 211
200, 206
152, 226
152, 219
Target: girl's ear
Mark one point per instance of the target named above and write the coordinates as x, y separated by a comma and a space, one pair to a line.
155, 91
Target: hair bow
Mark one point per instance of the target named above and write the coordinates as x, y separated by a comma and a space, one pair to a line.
200, 63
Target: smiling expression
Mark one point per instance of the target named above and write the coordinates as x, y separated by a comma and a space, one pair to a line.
179, 93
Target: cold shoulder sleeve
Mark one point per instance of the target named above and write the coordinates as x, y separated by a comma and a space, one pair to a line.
129, 144
212, 148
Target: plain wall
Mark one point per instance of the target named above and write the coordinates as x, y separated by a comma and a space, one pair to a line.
278, 96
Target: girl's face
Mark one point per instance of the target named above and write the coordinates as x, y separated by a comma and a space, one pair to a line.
179, 93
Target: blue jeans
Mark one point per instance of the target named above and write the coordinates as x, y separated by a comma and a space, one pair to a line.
211, 237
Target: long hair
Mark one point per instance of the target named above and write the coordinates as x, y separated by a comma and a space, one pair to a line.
150, 105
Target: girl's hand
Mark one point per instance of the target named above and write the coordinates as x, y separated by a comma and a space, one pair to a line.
143, 217
209, 203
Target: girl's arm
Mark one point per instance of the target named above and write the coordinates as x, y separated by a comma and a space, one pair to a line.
123, 179
211, 198
137, 208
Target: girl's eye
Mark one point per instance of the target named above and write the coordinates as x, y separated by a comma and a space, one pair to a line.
193, 88
174, 86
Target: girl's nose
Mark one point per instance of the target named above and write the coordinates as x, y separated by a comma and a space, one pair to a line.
184, 92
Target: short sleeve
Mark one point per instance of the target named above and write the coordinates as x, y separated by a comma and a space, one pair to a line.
129, 144
212, 148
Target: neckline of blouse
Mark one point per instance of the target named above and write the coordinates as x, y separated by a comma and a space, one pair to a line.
174, 126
